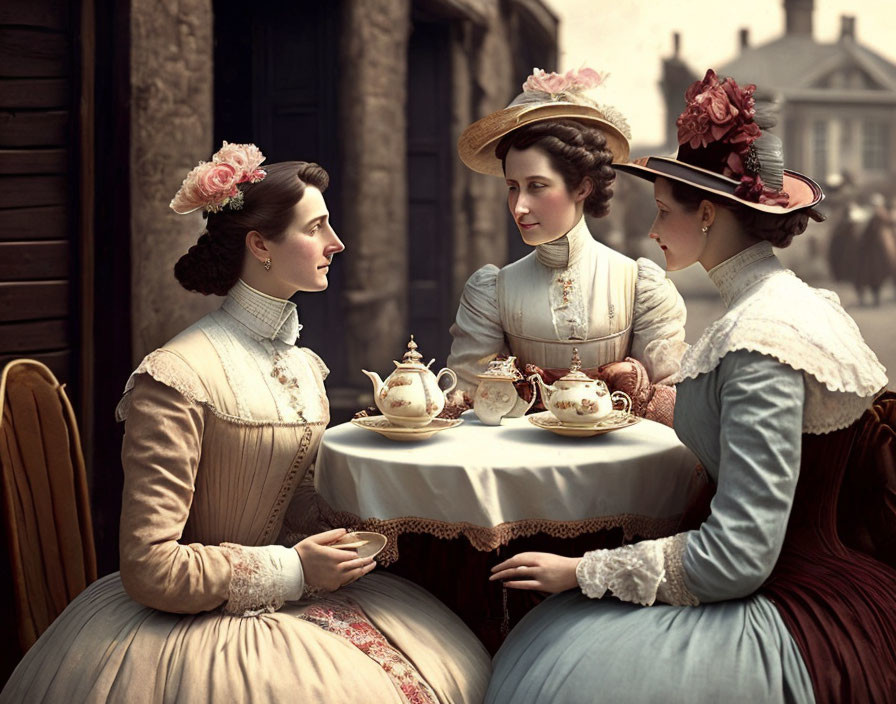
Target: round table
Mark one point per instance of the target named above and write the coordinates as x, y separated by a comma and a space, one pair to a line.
485, 487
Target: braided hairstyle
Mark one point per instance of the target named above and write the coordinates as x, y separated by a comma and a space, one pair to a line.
215, 262
575, 150
778, 229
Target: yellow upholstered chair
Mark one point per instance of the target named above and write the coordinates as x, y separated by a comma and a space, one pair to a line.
46, 511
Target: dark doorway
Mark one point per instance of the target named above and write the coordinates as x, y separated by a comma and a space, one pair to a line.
276, 86
430, 154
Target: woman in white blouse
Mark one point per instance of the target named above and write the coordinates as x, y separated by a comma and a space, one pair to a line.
553, 144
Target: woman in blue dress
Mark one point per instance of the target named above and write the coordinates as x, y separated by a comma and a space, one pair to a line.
763, 602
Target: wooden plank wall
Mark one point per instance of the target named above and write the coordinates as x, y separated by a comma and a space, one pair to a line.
37, 194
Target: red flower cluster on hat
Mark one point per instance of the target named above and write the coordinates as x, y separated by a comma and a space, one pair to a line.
718, 111
719, 115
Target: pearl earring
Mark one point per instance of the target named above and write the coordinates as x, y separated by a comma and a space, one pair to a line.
267, 264
704, 229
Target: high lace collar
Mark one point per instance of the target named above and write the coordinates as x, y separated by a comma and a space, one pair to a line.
565, 251
738, 273
266, 317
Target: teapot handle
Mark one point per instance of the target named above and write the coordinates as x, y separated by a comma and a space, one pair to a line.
624, 399
450, 373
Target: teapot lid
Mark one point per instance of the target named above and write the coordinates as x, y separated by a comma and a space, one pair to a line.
501, 369
412, 357
575, 369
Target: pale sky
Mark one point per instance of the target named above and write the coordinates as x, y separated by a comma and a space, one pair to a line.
628, 38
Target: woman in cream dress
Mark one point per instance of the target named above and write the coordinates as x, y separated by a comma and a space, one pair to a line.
553, 145
766, 601
222, 424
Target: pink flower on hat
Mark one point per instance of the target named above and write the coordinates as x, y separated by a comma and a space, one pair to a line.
572, 81
245, 158
213, 185
216, 179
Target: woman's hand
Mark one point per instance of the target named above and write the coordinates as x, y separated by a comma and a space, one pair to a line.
329, 568
541, 571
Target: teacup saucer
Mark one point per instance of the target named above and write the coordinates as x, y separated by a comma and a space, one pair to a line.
383, 426
366, 543
613, 421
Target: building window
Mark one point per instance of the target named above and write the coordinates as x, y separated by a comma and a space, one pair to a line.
875, 145
820, 148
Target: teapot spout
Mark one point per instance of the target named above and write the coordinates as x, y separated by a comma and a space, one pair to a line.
375, 380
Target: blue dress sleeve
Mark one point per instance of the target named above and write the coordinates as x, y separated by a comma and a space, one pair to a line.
761, 410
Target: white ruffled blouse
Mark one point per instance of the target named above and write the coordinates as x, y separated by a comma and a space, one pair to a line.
572, 292
773, 312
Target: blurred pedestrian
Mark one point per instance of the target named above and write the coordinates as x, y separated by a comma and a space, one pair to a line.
843, 250
877, 250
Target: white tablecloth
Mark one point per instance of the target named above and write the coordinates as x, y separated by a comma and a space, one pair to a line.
483, 477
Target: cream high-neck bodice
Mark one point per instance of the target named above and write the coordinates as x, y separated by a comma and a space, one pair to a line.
572, 292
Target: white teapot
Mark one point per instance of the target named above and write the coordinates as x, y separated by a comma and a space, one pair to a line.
496, 395
576, 399
410, 396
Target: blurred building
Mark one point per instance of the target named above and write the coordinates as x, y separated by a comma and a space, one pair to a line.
106, 105
837, 101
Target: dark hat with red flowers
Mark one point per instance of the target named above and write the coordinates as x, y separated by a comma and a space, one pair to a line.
723, 148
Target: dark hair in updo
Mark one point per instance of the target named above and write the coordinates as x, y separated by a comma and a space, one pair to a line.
778, 229
576, 151
214, 263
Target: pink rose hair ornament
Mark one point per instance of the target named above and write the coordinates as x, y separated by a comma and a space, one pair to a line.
545, 96
724, 148
214, 185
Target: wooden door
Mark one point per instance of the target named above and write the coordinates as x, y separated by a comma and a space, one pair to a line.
430, 151
276, 86
38, 159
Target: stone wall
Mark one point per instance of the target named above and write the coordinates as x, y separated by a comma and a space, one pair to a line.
482, 72
171, 131
372, 118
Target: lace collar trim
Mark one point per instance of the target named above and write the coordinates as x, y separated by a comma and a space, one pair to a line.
565, 251
735, 275
266, 317
776, 314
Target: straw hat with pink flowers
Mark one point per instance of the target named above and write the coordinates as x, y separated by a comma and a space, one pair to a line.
545, 96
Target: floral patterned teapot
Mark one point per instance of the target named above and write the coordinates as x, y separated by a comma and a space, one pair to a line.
496, 397
576, 399
410, 396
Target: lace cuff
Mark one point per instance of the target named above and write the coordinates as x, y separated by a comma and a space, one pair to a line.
638, 573
673, 590
262, 578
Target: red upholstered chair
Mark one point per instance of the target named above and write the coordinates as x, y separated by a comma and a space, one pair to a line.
46, 513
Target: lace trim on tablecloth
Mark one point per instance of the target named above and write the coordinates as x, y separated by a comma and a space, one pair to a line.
485, 539
345, 618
